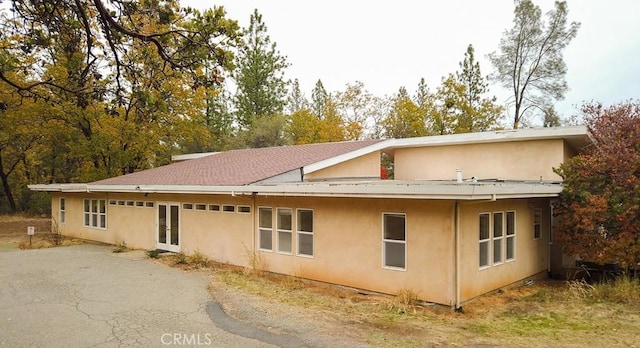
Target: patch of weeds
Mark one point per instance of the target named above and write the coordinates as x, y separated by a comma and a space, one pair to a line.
623, 290
198, 259
154, 253
55, 237
119, 247
255, 261
404, 302
579, 289
180, 259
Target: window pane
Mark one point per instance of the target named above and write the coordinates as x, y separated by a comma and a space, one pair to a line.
201, 207
511, 248
214, 207
265, 239
497, 251
245, 209
87, 217
305, 244
484, 254
229, 208
265, 217
394, 254
284, 219
94, 220
162, 223
497, 225
284, 242
394, 226
103, 221
86, 206
537, 232
511, 223
174, 225
305, 220
62, 216
484, 226
94, 205
62, 204
103, 206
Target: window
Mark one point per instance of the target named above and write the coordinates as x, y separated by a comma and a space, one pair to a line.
228, 208
148, 204
304, 222
95, 213
120, 202
284, 230
498, 235
187, 206
511, 235
130, 203
214, 207
139, 204
112, 202
202, 207
244, 209
394, 240
265, 229
63, 210
501, 240
485, 238
537, 223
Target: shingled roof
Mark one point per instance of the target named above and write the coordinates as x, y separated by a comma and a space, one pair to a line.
238, 167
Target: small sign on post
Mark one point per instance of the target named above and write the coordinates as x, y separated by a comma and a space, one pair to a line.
31, 230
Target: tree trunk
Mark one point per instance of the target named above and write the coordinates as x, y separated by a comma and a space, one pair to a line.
8, 193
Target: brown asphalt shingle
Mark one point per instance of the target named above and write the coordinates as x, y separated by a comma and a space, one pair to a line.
238, 167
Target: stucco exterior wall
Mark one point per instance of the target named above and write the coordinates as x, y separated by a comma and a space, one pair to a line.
348, 245
347, 238
531, 255
522, 160
366, 166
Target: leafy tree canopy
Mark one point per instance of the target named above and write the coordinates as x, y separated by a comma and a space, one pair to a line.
599, 207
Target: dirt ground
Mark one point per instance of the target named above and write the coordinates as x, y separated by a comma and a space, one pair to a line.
546, 314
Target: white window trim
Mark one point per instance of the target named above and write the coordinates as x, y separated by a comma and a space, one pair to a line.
243, 212
222, 208
209, 206
62, 213
202, 205
278, 231
406, 228
98, 213
265, 229
298, 233
502, 238
506, 236
488, 241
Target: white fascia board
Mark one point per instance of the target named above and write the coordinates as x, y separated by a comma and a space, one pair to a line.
362, 190
494, 136
314, 167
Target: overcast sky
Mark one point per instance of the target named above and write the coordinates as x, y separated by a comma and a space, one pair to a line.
388, 44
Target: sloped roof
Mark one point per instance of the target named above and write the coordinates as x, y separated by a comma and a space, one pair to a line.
238, 167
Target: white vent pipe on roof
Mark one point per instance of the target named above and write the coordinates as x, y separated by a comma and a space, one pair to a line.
459, 176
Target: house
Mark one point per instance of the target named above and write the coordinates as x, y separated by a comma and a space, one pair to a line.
464, 215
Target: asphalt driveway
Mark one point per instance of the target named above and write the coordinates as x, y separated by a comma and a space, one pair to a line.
86, 296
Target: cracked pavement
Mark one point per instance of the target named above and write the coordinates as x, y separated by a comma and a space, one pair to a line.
86, 296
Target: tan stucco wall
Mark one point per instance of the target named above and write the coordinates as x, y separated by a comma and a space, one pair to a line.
522, 160
531, 255
347, 239
348, 245
367, 166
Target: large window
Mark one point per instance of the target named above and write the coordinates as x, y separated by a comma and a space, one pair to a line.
285, 232
394, 241
63, 210
496, 238
304, 232
95, 213
265, 228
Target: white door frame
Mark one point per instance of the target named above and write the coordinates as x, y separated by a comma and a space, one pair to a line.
168, 245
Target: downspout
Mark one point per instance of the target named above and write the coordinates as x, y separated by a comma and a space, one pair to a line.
550, 234
456, 220
253, 222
